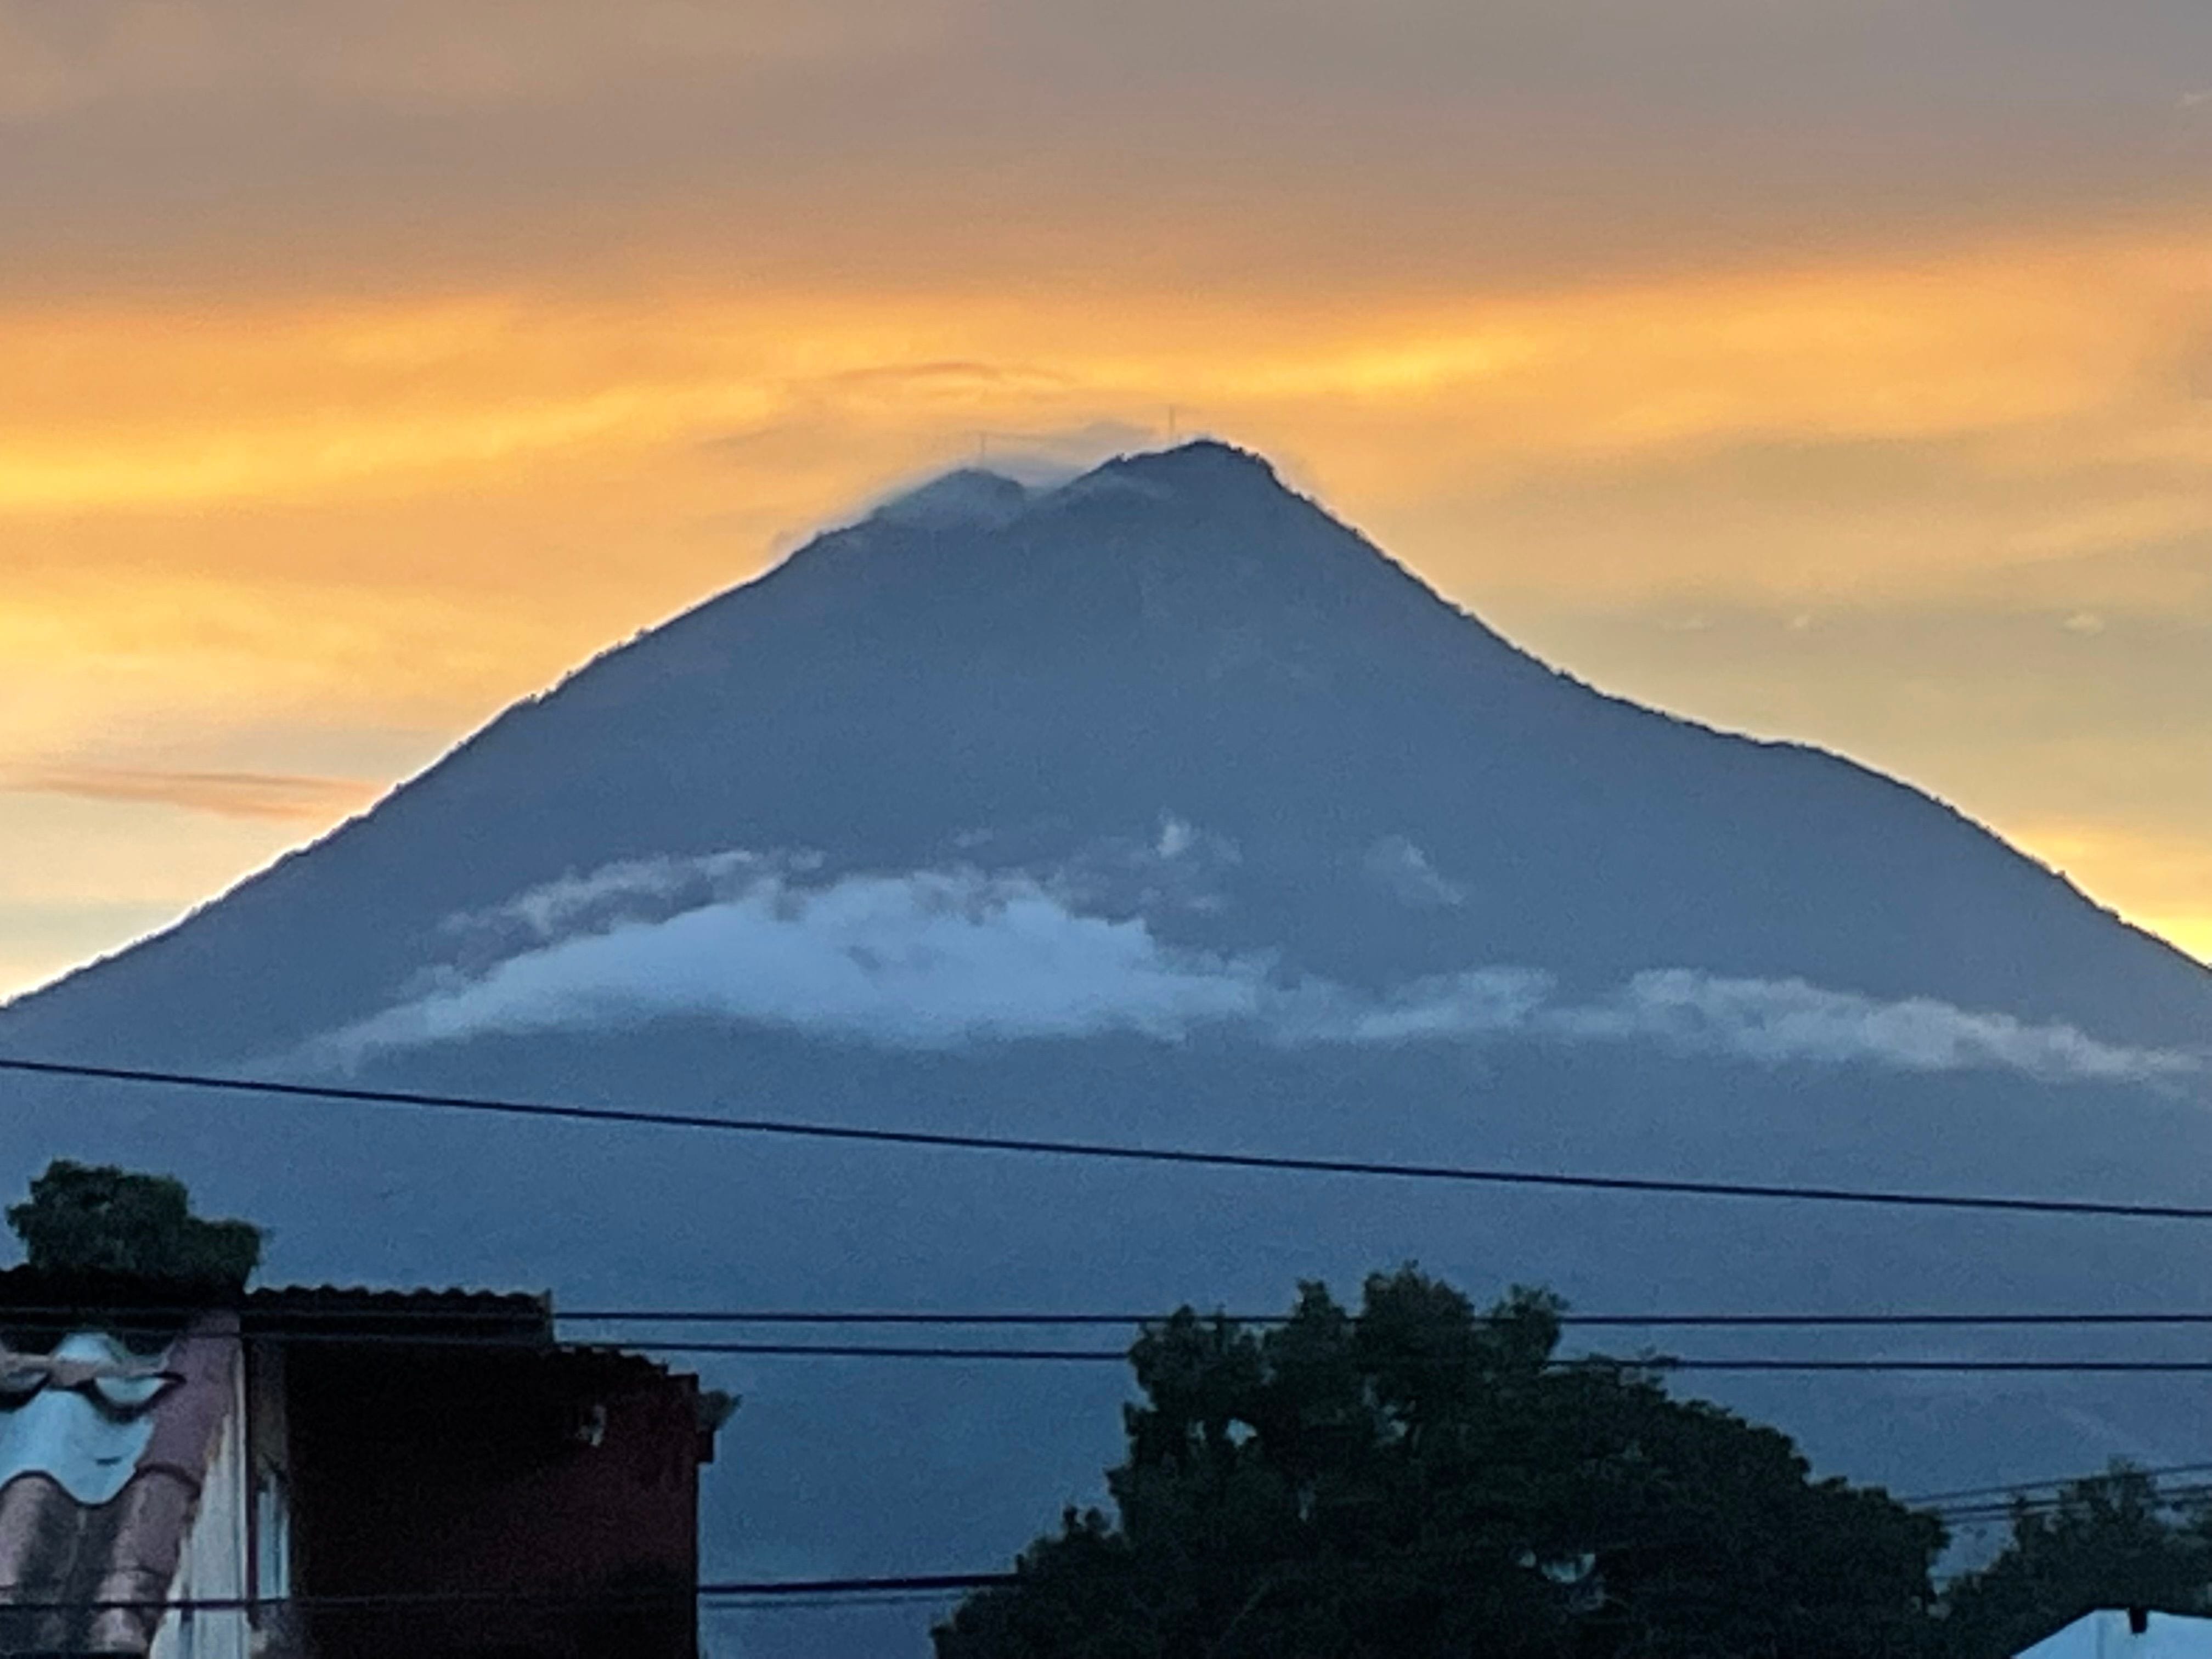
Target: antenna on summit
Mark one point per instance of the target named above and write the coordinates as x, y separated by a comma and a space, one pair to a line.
1172, 412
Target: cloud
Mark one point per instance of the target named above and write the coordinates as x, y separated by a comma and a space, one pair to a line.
945, 958
227, 794
1176, 837
1780, 1022
1481, 1002
1403, 871
960, 375
928, 959
630, 890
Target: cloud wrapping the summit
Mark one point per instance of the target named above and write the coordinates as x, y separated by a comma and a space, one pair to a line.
945, 958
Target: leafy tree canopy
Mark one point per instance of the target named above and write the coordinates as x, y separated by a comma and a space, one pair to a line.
96, 1221
2112, 1542
1419, 1479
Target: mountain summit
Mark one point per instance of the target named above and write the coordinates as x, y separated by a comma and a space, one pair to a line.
1160, 806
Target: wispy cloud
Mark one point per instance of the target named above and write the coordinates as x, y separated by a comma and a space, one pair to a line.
227, 794
944, 958
1780, 1022
925, 960
961, 373
1403, 871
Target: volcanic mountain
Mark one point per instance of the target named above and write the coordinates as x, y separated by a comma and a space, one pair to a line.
1160, 806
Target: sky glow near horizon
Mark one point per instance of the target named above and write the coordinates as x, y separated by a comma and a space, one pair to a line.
1833, 370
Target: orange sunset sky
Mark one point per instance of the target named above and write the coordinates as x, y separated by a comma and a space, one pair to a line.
1839, 370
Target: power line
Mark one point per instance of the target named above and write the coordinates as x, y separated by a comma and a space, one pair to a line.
539, 1342
1607, 1321
858, 1598
932, 1316
764, 1592
538, 1345
2058, 1493
2008, 1490
761, 1594
801, 1593
2056, 1367
1647, 1363
1824, 1321
812, 1317
281, 1323
1280, 1163
1983, 1514
1662, 1363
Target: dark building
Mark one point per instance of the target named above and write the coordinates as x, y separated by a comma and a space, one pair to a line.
337, 1474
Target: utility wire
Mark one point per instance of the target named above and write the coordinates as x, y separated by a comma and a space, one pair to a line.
539, 1345
764, 1592
2174, 1498
1646, 1363
1831, 1321
1659, 1363
855, 1134
755, 1595
521, 1338
280, 1320
2056, 1367
855, 1599
2007, 1491
769, 1593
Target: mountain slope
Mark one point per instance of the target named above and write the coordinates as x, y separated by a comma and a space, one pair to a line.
1161, 807
1172, 635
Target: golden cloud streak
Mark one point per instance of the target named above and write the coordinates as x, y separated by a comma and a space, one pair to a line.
128, 411
256, 795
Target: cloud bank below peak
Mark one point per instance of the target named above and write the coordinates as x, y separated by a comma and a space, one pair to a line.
957, 956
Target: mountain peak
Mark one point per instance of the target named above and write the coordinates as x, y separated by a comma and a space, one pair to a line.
1205, 474
1200, 460
969, 496
1205, 468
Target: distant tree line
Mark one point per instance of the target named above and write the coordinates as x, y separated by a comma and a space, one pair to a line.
1418, 1479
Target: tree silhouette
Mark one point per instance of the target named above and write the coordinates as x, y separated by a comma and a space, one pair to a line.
1419, 1480
87, 1221
2112, 1542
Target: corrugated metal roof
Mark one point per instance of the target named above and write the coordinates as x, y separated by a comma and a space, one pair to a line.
412, 1296
123, 1542
62, 1550
452, 1319
36, 1298
22, 1283
337, 1309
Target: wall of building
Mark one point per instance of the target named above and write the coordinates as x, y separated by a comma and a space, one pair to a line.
559, 1491
212, 1563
